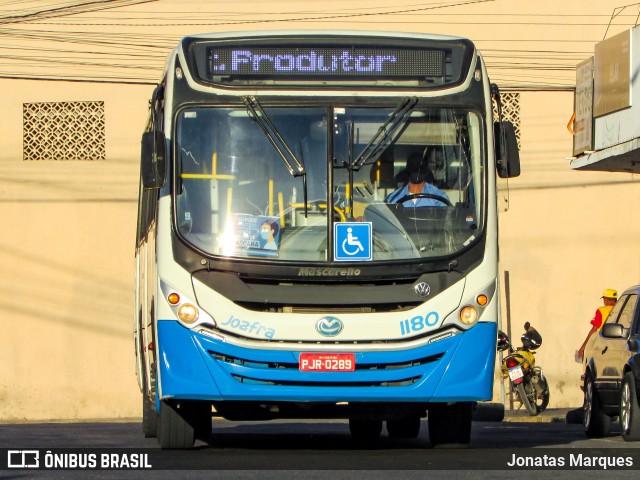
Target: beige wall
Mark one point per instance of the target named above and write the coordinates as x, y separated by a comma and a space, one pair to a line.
67, 237
66, 256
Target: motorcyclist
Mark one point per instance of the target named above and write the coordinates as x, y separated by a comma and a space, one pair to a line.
531, 338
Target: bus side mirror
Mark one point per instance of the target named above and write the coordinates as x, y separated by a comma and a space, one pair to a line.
507, 153
153, 159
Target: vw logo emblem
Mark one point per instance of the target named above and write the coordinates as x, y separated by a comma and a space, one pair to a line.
329, 326
422, 289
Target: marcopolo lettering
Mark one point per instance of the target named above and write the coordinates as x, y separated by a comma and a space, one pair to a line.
311, 61
328, 272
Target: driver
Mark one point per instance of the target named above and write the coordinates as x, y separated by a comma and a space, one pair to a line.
419, 178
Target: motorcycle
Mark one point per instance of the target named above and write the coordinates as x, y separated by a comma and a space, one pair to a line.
519, 366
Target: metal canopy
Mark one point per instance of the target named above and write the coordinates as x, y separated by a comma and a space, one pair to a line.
624, 157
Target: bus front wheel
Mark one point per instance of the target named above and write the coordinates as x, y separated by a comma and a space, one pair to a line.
181, 423
450, 424
149, 415
365, 430
406, 427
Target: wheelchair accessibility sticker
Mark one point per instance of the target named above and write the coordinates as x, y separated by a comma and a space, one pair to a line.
352, 241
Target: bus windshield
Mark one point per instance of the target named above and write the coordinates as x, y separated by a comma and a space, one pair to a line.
420, 186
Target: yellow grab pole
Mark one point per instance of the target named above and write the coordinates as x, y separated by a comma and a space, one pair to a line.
271, 197
281, 208
347, 193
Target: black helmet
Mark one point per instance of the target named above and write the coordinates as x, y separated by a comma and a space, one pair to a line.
503, 341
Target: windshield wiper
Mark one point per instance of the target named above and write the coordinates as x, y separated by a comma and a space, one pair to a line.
387, 132
295, 166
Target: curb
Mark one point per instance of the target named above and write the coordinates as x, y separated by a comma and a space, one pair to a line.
495, 412
541, 418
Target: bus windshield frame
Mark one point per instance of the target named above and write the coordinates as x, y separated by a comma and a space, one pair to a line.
236, 198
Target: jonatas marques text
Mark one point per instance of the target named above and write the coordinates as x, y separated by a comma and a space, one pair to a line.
572, 460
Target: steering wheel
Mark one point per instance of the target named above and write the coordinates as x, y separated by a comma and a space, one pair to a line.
439, 198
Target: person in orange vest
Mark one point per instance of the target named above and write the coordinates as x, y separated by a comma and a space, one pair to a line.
610, 297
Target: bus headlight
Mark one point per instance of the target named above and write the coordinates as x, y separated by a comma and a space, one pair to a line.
188, 313
468, 316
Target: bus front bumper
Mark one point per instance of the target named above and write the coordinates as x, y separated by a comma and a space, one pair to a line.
198, 367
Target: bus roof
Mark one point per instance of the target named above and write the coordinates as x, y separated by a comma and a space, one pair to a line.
322, 32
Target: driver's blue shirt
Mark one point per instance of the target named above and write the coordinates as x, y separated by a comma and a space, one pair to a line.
396, 195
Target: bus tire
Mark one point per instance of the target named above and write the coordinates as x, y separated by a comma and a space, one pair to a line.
149, 414
450, 424
181, 423
407, 427
365, 430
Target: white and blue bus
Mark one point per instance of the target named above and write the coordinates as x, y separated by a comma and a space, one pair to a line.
317, 234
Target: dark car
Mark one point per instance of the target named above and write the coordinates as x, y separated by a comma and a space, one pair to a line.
612, 371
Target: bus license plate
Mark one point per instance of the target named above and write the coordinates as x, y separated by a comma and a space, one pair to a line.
327, 362
516, 373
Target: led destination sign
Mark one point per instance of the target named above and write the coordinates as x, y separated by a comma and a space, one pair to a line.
326, 62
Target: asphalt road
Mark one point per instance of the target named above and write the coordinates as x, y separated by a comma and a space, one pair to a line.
324, 449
